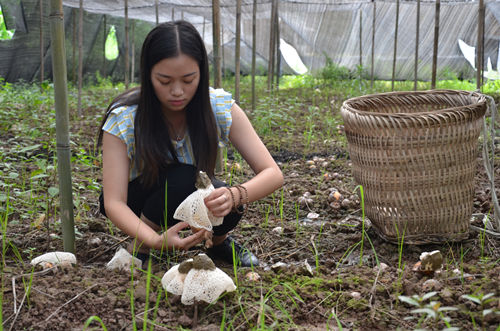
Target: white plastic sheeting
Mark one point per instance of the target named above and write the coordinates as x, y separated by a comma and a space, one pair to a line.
317, 29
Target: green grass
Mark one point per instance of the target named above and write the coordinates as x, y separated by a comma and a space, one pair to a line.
302, 117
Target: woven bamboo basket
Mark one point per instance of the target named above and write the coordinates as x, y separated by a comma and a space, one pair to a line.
415, 155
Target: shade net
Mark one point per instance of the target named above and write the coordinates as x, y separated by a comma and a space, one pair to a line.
319, 30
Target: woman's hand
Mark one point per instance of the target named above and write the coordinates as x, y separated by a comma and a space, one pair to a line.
171, 238
220, 201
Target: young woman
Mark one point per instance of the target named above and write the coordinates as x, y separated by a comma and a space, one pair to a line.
157, 137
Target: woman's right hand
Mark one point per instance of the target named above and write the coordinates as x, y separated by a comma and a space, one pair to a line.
171, 238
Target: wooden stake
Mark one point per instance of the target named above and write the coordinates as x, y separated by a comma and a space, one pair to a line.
373, 42
417, 40
237, 53
270, 63
216, 43
480, 46
42, 69
395, 45
80, 58
254, 45
157, 12
127, 49
436, 43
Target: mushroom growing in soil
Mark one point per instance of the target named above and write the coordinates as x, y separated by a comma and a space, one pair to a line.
193, 210
197, 279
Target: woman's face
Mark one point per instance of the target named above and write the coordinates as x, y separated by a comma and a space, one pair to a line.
175, 81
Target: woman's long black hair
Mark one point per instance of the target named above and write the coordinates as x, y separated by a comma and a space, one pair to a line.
152, 141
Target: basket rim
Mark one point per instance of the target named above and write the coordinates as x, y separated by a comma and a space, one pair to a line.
346, 104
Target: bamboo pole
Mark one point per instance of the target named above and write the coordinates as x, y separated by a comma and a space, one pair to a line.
480, 45
417, 40
237, 53
105, 36
373, 43
395, 45
42, 69
254, 45
270, 63
157, 12
132, 61
277, 43
360, 39
173, 13
62, 124
127, 49
222, 51
73, 69
216, 43
80, 58
436, 44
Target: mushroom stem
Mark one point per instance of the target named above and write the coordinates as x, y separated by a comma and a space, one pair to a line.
195, 314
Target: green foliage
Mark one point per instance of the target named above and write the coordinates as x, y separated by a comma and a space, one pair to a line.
4, 33
333, 72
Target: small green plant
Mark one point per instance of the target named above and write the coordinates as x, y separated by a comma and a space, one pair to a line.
482, 300
432, 310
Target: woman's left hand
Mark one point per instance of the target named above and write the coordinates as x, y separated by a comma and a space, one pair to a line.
220, 201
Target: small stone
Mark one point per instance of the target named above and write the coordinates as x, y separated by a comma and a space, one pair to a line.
324, 164
278, 230
310, 162
431, 261
335, 205
312, 215
308, 268
431, 285
312, 167
356, 295
334, 196
96, 241
346, 203
185, 320
252, 276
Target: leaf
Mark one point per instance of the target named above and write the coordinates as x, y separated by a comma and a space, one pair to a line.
29, 148
487, 311
409, 300
471, 298
428, 295
13, 175
53, 191
428, 311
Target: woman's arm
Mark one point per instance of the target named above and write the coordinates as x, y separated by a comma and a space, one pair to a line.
268, 176
115, 186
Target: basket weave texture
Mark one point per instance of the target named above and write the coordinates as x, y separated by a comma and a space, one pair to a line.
415, 154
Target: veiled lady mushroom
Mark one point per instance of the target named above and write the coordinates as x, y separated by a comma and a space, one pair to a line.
193, 210
48, 260
197, 279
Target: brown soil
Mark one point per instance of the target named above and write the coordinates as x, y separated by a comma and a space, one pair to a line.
340, 290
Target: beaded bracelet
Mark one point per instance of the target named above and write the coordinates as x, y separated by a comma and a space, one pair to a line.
243, 198
232, 197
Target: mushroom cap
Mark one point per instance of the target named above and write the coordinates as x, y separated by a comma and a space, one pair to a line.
202, 180
123, 260
55, 258
173, 280
202, 261
205, 285
194, 211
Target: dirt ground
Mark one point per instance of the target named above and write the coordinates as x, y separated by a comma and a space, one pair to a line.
361, 297
341, 284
